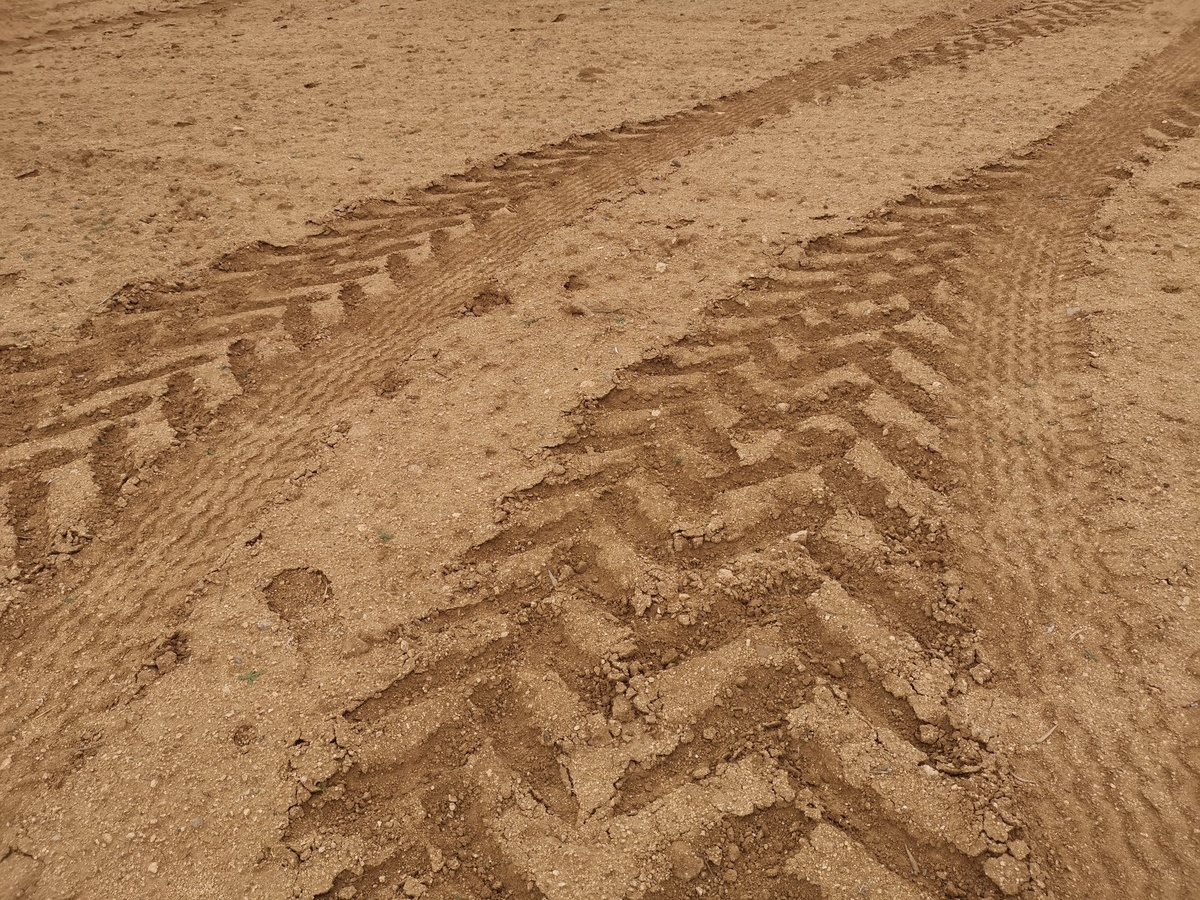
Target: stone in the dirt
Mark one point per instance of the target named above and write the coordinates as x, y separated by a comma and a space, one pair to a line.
794, 257
414, 888
994, 827
622, 709
685, 863
929, 734
1008, 874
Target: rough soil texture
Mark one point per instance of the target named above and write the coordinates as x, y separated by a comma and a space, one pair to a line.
632, 451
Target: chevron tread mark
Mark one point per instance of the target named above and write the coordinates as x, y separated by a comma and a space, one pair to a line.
744, 572
269, 304
288, 334
741, 574
782, 469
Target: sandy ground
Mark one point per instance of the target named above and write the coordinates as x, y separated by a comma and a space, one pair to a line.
674, 450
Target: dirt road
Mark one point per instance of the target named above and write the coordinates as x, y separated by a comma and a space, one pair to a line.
600, 452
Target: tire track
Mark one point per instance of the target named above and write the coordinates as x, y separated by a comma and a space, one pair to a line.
135, 19
1037, 450
264, 304
204, 345
742, 582
1027, 343
387, 271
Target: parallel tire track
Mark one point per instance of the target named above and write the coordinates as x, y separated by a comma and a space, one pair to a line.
736, 611
251, 358
581, 726
199, 346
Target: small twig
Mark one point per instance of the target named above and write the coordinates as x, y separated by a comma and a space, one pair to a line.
1022, 780
912, 860
553, 580
1045, 737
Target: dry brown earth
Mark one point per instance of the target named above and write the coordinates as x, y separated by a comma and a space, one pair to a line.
600, 451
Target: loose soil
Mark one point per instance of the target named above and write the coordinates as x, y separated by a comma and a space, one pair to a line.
626, 451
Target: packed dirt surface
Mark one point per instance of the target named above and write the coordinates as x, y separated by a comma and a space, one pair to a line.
597, 452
